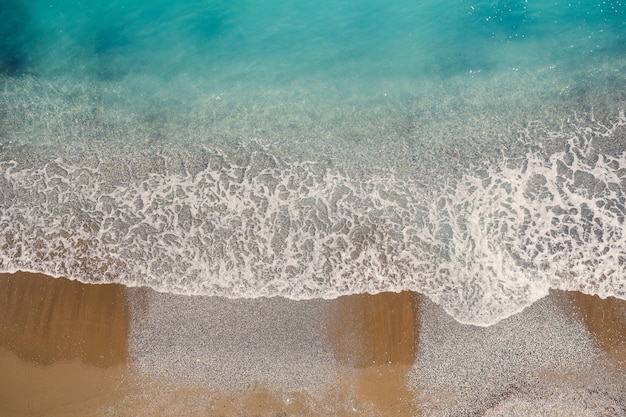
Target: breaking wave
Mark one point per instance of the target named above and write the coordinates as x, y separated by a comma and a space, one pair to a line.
484, 243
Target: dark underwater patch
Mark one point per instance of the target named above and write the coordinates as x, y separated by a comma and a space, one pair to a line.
15, 37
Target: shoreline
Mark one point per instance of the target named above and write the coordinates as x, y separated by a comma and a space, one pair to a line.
104, 350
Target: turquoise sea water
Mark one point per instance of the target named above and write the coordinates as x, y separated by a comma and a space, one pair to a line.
471, 151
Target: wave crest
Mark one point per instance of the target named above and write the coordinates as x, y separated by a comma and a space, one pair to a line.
484, 243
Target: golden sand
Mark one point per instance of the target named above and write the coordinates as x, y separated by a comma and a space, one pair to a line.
80, 332
64, 348
606, 320
374, 339
68, 388
45, 320
64, 352
376, 336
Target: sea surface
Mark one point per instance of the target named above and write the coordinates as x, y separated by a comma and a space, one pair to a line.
472, 151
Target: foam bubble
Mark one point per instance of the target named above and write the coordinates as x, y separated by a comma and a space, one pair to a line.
286, 229
485, 243
546, 220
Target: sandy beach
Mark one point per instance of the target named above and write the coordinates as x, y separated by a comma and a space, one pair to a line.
70, 349
312, 208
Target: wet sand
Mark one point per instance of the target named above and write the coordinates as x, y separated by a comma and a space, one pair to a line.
45, 320
63, 345
375, 337
541, 362
65, 388
70, 349
606, 319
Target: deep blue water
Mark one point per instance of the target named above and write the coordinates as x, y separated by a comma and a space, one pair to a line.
472, 151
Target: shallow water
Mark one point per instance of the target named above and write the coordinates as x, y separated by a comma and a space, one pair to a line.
472, 151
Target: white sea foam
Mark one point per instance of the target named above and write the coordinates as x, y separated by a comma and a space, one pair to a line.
484, 243
548, 220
